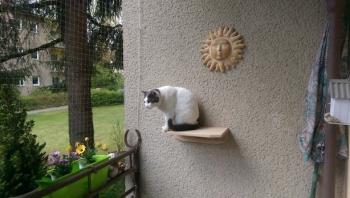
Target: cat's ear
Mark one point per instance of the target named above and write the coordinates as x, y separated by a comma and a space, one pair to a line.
144, 92
155, 93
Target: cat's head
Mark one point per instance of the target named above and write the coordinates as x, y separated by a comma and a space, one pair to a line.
151, 98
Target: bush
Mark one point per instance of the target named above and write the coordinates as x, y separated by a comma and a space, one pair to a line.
40, 92
43, 99
47, 100
56, 88
21, 157
106, 98
106, 78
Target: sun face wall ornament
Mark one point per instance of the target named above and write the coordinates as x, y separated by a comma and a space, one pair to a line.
222, 49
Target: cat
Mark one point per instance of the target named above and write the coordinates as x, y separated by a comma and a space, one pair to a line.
178, 104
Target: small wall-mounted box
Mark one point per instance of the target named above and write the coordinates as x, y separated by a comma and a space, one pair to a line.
340, 100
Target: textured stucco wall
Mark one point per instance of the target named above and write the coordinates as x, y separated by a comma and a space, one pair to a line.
261, 101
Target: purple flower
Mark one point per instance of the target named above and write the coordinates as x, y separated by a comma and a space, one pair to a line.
62, 163
74, 155
57, 161
55, 154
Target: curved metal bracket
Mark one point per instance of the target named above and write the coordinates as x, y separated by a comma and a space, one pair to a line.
138, 139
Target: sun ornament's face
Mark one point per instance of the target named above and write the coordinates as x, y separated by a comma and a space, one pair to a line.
222, 49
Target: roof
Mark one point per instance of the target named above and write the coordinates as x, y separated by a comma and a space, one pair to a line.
340, 88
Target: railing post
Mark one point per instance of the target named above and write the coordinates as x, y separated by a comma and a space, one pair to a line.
137, 174
334, 8
135, 157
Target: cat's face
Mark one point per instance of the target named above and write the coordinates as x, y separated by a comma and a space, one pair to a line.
151, 98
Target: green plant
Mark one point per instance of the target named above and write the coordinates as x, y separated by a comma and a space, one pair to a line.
56, 88
118, 137
62, 164
104, 77
39, 92
106, 98
42, 100
87, 152
115, 190
21, 156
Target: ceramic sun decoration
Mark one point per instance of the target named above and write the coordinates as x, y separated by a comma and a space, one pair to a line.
222, 49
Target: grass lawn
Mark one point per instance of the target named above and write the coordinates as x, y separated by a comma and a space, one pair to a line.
52, 127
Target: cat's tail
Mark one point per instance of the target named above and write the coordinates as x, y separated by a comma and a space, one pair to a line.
182, 127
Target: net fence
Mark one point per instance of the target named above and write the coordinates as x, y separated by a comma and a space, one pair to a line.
66, 53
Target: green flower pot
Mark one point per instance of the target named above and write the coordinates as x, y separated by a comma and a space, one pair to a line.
79, 188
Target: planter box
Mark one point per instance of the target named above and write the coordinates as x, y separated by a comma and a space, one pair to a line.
79, 188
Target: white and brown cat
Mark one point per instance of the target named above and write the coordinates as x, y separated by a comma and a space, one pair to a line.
178, 104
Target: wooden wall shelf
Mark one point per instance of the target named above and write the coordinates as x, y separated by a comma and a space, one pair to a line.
207, 135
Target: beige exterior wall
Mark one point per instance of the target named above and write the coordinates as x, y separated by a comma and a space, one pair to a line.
42, 70
262, 101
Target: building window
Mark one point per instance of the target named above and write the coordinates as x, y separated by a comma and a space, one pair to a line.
19, 50
22, 83
35, 55
17, 23
54, 57
36, 81
55, 80
33, 27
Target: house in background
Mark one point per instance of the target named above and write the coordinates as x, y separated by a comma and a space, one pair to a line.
33, 32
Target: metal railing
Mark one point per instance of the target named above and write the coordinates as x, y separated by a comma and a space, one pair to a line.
132, 168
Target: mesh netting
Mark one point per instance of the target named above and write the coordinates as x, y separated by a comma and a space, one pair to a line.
66, 53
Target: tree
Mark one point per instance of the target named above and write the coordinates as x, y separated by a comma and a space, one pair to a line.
78, 72
103, 26
88, 29
106, 78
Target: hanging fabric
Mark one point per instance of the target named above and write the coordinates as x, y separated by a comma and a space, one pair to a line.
311, 139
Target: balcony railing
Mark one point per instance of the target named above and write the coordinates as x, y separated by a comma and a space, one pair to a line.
132, 168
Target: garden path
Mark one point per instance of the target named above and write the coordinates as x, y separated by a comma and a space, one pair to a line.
47, 110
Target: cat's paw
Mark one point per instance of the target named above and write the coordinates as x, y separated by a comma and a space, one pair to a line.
165, 128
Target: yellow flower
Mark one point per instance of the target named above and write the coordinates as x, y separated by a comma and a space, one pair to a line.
77, 144
104, 147
69, 148
80, 149
86, 139
99, 144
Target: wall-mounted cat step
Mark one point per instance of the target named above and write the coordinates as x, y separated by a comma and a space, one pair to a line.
207, 135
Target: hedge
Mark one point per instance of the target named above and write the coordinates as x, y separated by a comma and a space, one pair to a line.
106, 98
44, 101
98, 98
